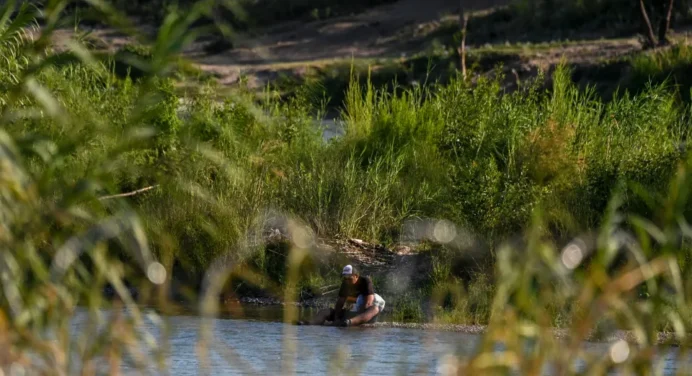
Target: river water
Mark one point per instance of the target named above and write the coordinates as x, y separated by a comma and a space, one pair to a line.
264, 347
257, 344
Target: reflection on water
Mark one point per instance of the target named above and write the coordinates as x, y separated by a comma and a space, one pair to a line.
263, 345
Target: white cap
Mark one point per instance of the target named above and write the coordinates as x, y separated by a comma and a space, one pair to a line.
348, 270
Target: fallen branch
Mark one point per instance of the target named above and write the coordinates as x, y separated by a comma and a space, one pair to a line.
328, 287
127, 194
330, 292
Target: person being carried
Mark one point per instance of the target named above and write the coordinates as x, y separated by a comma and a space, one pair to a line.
354, 288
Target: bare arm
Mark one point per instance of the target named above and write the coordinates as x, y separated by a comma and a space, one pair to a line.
339, 306
370, 295
369, 300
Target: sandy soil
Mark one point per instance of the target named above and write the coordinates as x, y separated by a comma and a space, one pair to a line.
389, 31
386, 31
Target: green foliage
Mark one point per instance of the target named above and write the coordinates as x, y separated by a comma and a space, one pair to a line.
130, 59
407, 308
665, 66
467, 306
473, 154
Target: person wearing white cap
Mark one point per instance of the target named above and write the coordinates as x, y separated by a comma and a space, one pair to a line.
354, 288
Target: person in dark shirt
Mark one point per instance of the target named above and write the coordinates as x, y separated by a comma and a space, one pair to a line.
354, 289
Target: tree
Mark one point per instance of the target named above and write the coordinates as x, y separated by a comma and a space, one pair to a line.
662, 12
463, 24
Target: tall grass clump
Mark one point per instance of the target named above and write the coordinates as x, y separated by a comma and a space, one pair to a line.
665, 66
567, 148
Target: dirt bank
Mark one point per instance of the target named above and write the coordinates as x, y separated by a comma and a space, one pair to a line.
383, 36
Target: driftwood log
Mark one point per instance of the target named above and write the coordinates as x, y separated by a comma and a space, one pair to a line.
127, 194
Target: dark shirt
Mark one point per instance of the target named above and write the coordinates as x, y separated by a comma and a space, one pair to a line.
362, 287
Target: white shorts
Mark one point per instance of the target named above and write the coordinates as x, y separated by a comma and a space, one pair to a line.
360, 302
